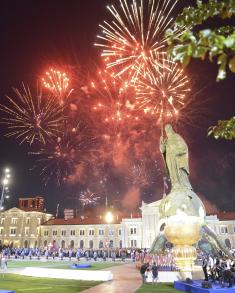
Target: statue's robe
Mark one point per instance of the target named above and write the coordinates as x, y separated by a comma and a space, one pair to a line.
175, 153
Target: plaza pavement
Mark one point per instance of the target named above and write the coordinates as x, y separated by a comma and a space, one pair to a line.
126, 279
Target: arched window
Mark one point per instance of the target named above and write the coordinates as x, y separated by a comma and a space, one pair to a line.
101, 244
162, 227
81, 243
54, 245
228, 243
62, 244
111, 244
35, 244
91, 244
26, 244
120, 244
45, 243
72, 244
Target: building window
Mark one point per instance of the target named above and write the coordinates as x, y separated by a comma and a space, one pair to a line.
72, 232
91, 232
82, 232
111, 244
228, 243
133, 231
46, 233
54, 232
120, 244
111, 232
2, 221
27, 231
72, 244
1, 231
223, 229
101, 231
134, 243
119, 232
14, 221
63, 233
81, 243
101, 244
12, 231
62, 244
27, 221
91, 244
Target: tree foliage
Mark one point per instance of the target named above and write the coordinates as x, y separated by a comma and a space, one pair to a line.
216, 44
224, 129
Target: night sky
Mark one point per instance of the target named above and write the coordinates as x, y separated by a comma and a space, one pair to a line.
36, 34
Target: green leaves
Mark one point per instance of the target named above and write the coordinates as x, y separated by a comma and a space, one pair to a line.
218, 43
224, 129
232, 64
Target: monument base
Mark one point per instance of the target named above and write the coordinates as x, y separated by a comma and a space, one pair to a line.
171, 277
196, 287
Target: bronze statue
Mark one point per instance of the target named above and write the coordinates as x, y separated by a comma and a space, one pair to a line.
175, 153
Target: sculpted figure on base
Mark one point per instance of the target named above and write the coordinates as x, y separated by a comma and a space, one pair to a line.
175, 154
182, 203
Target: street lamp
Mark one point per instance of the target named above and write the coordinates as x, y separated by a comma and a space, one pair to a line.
5, 188
109, 220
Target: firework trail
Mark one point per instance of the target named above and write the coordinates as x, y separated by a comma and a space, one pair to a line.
88, 198
57, 83
32, 117
135, 32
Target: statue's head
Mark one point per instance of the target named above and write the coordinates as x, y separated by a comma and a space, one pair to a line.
168, 129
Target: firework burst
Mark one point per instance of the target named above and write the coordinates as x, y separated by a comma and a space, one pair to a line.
59, 158
162, 89
113, 100
32, 117
88, 198
143, 174
136, 32
57, 83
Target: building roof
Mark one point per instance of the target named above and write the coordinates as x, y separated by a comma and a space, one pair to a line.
80, 221
85, 221
226, 216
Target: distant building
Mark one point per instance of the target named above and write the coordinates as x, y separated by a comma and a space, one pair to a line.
21, 228
69, 214
32, 204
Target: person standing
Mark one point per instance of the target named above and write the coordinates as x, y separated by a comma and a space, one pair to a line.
78, 255
154, 273
204, 267
143, 269
70, 254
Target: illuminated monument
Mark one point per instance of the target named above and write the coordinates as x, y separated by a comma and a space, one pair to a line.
182, 209
182, 213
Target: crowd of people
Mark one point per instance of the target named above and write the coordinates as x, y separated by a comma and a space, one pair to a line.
60, 253
221, 269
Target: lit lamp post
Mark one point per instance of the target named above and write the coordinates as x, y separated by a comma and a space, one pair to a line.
109, 220
5, 190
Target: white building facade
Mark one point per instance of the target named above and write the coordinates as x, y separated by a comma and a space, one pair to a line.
20, 228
